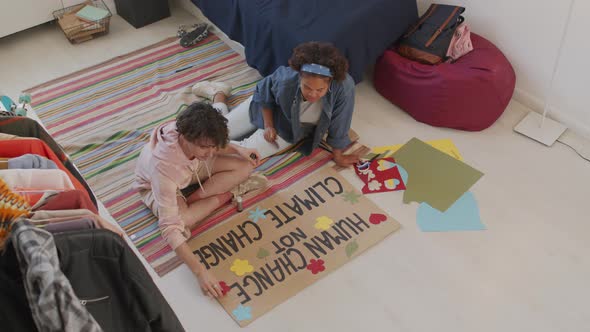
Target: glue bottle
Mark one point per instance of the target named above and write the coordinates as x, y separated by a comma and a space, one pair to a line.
239, 202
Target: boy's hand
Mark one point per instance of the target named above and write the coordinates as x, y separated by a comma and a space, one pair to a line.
251, 155
209, 284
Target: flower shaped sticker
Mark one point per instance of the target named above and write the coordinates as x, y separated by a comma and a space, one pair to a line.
241, 267
368, 172
242, 313
224, 288
316, 266
323, 223
374, 185
351, 197
257, 214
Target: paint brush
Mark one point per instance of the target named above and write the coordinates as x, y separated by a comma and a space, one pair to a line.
374, 157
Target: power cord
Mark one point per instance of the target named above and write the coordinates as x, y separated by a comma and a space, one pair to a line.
580, 145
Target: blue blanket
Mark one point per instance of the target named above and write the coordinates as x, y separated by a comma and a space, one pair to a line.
270, 29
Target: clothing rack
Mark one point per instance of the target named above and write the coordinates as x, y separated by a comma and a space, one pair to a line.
60, 214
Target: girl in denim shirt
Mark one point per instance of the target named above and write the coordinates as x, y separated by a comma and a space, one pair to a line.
308, 100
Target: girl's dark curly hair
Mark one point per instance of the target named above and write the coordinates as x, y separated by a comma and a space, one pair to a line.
324, 54
200, 120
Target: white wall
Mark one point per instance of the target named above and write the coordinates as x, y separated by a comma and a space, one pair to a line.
572, 84
24, 14
111, 5
529, 33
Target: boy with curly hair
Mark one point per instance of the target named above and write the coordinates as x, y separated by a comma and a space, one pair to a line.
193, 150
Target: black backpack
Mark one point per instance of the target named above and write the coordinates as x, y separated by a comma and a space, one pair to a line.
428, 40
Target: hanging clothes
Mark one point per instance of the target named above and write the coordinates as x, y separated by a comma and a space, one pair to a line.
27, 127
52, 301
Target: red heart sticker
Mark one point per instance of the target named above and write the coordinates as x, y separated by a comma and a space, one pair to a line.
377, 218
224, 287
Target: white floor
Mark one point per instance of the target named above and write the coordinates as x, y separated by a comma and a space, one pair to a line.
528, 272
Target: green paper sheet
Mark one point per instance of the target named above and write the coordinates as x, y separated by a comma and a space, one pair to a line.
434, 177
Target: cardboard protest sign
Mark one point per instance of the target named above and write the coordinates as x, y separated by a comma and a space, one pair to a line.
288, 241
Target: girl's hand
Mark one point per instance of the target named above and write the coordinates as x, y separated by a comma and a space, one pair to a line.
270, 134
346, 160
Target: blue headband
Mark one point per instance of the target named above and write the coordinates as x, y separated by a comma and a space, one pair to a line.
314, 68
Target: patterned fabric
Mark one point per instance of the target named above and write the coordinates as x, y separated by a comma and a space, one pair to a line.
52, 301
103, 116
7, 113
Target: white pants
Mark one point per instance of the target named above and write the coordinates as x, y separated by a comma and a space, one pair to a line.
238, 123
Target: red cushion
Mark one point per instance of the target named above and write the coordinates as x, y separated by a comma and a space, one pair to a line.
469, 94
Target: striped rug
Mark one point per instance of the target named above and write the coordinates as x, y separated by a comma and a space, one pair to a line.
102, 116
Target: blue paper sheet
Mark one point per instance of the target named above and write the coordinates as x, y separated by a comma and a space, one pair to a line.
463, 215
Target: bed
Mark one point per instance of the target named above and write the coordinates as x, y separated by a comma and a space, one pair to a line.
270, 29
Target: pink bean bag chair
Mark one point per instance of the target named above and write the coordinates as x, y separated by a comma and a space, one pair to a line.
469, 94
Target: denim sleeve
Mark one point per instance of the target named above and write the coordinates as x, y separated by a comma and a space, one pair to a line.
263, 95
342, 116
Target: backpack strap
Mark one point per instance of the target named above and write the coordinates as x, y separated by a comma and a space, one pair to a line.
442, 27
422, 20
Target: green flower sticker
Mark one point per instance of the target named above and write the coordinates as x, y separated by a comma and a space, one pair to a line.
351, 196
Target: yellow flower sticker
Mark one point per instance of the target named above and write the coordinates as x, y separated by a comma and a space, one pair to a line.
241, 267
323, 223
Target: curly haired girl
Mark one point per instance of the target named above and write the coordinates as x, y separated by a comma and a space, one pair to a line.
312, 97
